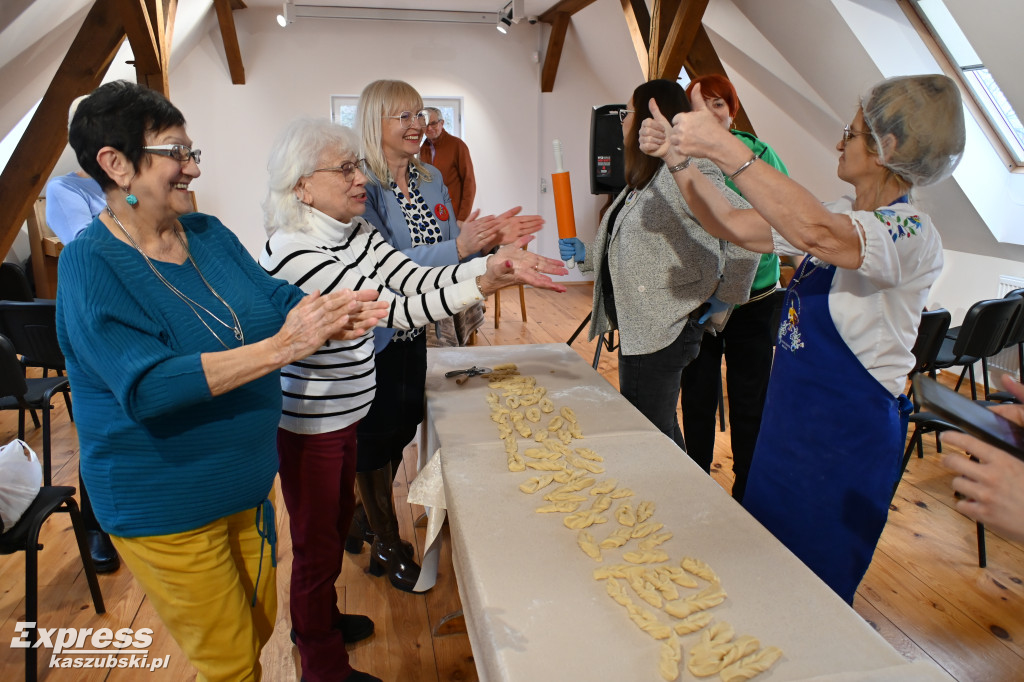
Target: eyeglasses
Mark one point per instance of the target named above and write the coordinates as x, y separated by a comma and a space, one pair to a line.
623, 113
178, 152
849, 133
347, 169
407, 117
435, 124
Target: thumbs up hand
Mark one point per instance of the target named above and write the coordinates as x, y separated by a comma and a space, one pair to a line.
695, 133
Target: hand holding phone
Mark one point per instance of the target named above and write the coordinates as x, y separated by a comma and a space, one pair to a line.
969, 416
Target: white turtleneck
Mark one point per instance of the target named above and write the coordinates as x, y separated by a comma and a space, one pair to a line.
333, 388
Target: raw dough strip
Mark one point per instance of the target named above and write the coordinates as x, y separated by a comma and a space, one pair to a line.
642, 530
710, 596
602, 503
536, 483
568, 414
537, 453
655, 539
752, 665
663, 584
617, 538
561, 507
653, 556
533, 414
648, 622
544, 465
700, 569
575, 485
644, 511
587, 453
555, 424
619, 493
624, 514
671, 656
580, 463
679, 576
586, 542
515, 462
546, 406
575, 431
565, 437
583, 519
604, 487
693, 622
565, 497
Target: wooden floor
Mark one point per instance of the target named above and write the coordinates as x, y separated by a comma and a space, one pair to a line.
924, 591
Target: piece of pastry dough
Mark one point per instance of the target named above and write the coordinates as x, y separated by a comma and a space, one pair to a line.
693, 622
710, 596
655, 539
604, 487
700, 569
579, 462
575, 484
652, 556
680, 577
527, 400
563, 507
544, 465
587, 453
555, 423
642, 530
602, 503
511, 444
644, 511
546, 405
617, 592
568, 414
515, 462
624, 514
619, 493
583, 519
564, 436
751, 665
617, 538
533, 414
586, 542
648, 622
536, 483
575, 431
506, 367
540, 436
671, 655
556, 496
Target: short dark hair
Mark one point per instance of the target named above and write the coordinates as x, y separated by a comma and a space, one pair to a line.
671, 100
118, 114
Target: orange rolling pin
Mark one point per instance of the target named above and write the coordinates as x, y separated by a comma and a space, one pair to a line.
563, 200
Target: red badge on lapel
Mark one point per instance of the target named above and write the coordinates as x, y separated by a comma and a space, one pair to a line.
441, 211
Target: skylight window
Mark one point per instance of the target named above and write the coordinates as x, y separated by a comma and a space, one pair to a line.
979, 81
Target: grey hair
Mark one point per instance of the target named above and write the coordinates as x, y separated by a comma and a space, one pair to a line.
296, 153
435, 110
380, 99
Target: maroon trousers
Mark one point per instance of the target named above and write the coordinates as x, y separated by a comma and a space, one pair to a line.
317, 477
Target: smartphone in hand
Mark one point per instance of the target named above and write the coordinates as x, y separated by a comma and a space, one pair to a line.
969, 416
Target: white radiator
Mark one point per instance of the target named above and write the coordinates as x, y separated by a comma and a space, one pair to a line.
1007, 360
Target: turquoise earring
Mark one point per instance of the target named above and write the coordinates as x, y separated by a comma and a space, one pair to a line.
130, 199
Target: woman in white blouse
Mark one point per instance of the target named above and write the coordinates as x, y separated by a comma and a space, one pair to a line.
828, 454
317, 191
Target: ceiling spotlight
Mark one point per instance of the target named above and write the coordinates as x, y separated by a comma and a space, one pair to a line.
511, 13
504, 21
287, 15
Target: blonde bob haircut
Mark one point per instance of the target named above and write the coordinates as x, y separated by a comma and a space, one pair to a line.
379, 99
297, 152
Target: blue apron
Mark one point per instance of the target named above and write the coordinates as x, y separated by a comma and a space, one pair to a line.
831, 440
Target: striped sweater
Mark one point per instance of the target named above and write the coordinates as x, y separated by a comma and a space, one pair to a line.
334, 387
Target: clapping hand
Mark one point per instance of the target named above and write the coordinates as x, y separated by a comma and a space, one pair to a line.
512, 264
483, 234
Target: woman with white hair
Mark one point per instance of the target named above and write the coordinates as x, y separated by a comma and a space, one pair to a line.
828, 454
318, 241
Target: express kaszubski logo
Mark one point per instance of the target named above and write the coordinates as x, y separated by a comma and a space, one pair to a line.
92, 648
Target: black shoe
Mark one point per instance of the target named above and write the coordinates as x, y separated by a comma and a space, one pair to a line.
354, 628
357, 676
104, 556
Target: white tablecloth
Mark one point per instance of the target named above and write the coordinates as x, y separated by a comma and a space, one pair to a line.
534, 611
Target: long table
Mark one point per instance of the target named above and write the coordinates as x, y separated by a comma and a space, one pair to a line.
533, 610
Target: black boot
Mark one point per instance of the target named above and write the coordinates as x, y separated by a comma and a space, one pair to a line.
104, 556
358, 532
388, 554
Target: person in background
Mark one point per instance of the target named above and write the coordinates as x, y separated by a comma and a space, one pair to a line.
992, 487
830, 447
450, 155
747, 341
72, 202
317, 193
173, 337
658, 275
406, 200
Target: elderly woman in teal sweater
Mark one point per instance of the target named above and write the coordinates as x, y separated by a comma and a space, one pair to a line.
173, 337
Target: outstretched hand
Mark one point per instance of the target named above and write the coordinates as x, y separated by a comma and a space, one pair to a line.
512, 264
695, 133
483, 234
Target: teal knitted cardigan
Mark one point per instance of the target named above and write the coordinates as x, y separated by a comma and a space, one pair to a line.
159, 454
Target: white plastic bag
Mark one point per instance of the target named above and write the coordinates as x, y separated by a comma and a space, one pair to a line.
20, 478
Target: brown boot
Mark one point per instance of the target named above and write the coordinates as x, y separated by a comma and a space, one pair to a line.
388, 554
359, 531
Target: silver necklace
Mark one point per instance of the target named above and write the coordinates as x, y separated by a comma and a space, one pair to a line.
236, 328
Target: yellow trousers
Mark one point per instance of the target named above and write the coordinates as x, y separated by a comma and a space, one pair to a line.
201, 584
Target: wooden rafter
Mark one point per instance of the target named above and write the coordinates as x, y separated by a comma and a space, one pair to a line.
702, 60
81, 71
558, 15
229, 36
679, 38
638, 20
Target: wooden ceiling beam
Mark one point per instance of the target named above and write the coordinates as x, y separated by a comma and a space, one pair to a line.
703, 60
81, 71
638, 21
229, 36
142, 34
679, 38
570, 7
553, 55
